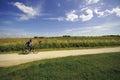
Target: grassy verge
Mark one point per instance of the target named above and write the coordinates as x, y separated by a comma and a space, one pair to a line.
86, 67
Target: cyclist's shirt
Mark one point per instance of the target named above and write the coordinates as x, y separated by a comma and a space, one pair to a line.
28, 43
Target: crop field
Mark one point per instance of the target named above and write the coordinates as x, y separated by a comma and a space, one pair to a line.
18, 44
86, 67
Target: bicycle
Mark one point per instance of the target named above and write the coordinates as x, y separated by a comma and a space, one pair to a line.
26, 50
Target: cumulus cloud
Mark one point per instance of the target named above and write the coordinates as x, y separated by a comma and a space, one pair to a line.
85, 14
99, 13
116, 11
87, 17
71, 16
92, 1
107, 12
29, 12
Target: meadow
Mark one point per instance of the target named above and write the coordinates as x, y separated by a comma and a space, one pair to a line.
85, 67
47, 43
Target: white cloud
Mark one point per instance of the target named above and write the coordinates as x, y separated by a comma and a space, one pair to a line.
116, 11
100, 14
71, 16
74, 16
58, 18
103, 13
15, 33
107, 12
29, 12
92, 1
87, 17
85, 14
25, 17
103, 29
25, 9
84, 8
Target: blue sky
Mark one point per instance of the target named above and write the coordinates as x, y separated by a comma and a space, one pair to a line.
28, 18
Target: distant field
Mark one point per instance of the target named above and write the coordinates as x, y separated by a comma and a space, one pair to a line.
87, 67
17, 44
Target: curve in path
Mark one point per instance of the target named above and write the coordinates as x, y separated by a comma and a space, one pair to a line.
16, 59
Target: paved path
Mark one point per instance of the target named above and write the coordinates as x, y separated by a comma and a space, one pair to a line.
16, 59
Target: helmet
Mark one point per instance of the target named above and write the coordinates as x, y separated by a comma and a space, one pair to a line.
30, 40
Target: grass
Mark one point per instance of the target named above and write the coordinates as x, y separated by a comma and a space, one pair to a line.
86, 67
18, 44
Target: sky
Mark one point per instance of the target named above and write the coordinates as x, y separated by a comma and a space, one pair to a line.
50, 18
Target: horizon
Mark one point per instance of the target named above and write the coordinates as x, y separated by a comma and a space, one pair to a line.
52, 18
62, 36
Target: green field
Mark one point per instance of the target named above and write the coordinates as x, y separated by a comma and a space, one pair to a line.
45, 43
86, 67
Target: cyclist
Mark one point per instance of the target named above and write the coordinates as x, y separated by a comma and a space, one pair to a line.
28, 45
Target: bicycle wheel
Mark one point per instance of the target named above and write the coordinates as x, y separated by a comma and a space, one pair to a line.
26, 51
34, 50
